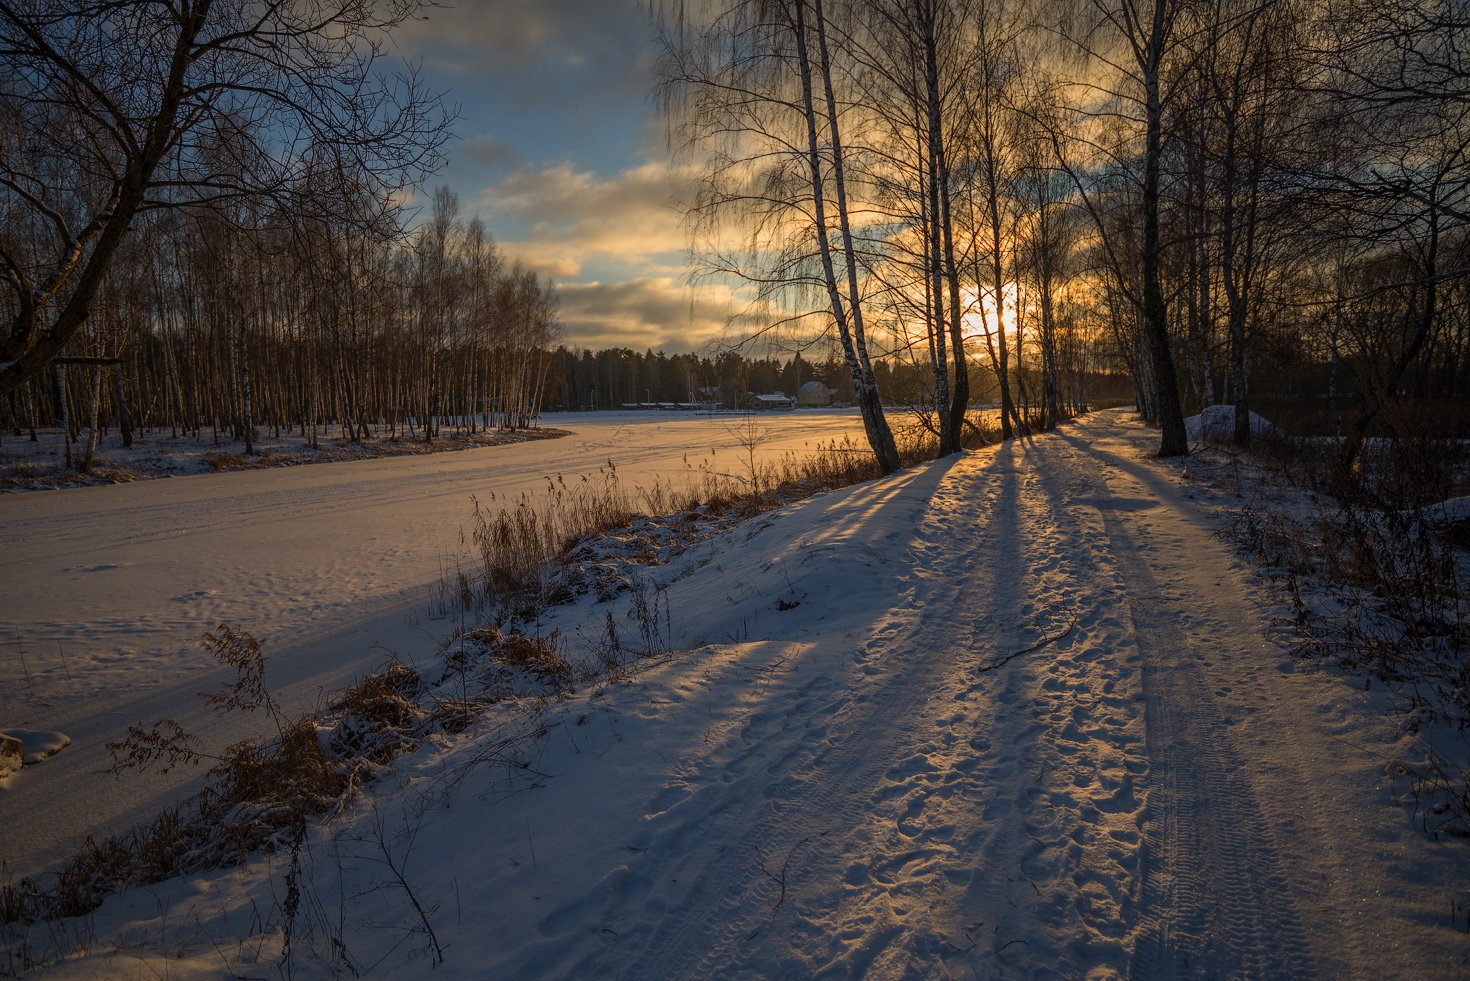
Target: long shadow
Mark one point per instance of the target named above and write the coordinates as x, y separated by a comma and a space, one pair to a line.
1212, 881
862, 729
1161, 487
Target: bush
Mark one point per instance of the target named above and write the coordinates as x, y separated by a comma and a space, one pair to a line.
1380, 586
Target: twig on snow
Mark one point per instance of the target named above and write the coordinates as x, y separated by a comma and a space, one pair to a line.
1044, 641
780, 879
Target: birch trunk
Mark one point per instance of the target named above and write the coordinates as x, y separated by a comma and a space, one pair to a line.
880, 437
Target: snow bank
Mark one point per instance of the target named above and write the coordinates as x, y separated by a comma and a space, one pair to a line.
1216, 424
37, 744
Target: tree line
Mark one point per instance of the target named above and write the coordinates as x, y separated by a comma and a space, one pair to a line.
583, 379
203, 227
1214, 191
202, 221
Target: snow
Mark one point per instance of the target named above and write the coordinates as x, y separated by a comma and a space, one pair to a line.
1450, 512
1216, 424
27, 747
1017, 712
105, 591
38, 465
38, 744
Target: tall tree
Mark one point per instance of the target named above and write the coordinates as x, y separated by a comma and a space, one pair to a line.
1134, 38
114, 109
751, 90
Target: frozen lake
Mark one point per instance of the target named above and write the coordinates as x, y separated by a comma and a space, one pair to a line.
106, 590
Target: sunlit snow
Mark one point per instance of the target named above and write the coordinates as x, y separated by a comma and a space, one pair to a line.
1013, 713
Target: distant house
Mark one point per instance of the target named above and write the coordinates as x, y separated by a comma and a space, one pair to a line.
814, 393
762, 403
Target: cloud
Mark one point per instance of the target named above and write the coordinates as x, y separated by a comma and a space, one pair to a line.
570, 219
618, 251
645, 312
490, 153
554, 95
508, 38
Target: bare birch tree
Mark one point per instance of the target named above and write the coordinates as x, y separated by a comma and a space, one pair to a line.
752, 89
115, 109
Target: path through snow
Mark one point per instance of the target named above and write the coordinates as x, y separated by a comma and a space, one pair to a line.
850, 774
1159, 793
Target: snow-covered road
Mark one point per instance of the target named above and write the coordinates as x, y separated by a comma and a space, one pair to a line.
1160, 792
1012, 714
104, 591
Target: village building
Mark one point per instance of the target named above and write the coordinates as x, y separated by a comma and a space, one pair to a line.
814, 393
762, 403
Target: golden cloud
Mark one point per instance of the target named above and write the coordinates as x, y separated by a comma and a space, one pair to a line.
574, 218
646, 312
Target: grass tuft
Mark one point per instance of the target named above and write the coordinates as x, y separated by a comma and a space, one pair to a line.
537, 551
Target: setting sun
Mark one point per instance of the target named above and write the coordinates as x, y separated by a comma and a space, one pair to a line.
979, 315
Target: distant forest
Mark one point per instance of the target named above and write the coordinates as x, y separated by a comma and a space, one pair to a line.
583, 379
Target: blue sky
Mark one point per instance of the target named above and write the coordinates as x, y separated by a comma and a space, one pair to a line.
561, 151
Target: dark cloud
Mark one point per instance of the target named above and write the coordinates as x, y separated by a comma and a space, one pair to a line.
491, 154
548, 81
643, 313
522, 39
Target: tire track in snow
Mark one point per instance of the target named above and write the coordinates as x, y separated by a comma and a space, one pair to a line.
971, 820
1102, 806
1215, 901
1077, 811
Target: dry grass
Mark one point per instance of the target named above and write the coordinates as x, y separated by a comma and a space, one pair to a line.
537, 657
258, 794
522, 548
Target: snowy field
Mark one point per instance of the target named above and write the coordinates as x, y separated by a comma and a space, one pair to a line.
104, 591
1013, 714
